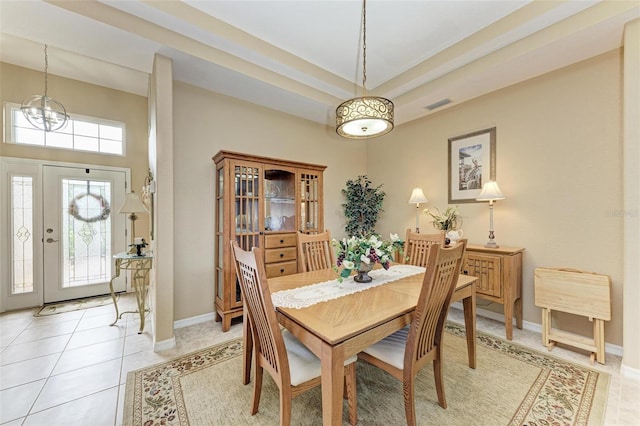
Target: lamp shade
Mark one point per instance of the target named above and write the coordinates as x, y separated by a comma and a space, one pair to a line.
490, 192
132, 204
364, 117
417, 196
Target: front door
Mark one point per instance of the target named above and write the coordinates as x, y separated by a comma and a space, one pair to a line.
81, 231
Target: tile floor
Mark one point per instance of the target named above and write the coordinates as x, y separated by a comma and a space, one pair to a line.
70, 369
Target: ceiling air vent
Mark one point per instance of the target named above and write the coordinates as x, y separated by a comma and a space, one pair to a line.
438, 104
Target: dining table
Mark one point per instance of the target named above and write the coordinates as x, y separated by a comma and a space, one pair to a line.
338, 328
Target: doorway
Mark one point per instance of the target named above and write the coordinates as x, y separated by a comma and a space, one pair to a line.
81, 231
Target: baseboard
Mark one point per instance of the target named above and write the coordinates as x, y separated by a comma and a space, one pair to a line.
629, 372
164, 345
194, 320
532, 326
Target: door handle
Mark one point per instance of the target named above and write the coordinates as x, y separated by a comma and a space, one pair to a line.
51, 240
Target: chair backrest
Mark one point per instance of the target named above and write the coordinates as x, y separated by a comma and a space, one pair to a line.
267, 336
440, 280
416, 246
315, 252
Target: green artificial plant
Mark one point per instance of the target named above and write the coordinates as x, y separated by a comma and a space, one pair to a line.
363, 205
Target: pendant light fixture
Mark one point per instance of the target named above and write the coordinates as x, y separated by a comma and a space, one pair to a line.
43, 112
367, 116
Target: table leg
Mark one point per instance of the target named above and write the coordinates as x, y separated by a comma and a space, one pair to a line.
115, 302
332, 366
508, 319
518, 312
469, 307
139, 278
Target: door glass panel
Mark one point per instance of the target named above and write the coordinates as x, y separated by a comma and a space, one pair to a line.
22, 227
86, 232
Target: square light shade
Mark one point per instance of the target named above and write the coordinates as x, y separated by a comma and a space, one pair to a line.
490, 192
132, 204
417, 196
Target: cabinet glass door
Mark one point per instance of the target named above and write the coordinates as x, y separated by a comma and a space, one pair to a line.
247, 204
279, 200
309, 203
221, 242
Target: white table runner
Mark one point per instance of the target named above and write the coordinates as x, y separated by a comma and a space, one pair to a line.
302, 297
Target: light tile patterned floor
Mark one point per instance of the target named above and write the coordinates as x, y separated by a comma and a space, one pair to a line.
70, 369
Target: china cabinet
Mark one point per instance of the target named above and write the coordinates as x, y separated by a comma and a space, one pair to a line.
261, 202
499, 272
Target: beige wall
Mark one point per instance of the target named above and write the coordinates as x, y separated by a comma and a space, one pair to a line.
204, 123
16, 83
559, 163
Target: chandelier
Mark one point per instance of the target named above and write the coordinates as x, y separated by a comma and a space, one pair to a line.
43, 112
367, 116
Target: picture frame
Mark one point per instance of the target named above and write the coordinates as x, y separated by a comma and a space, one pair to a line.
472, 163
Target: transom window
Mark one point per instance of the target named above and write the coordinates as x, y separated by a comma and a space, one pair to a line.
82, 133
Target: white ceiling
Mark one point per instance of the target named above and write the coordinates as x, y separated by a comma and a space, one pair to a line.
304, 57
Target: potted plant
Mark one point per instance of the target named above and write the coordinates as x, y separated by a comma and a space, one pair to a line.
363, 205
447, 221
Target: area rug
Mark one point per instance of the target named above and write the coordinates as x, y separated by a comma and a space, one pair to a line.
512, 385
74, 305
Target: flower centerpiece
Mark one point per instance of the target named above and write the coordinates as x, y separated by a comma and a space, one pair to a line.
447, 221
361, 253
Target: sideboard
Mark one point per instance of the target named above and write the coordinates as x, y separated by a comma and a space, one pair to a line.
499, 272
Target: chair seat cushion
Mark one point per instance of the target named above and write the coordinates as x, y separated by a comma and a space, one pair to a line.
303, 364
391, 348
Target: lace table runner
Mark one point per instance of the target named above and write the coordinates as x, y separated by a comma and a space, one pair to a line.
302, 297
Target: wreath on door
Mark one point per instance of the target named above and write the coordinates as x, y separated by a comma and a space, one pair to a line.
105, 209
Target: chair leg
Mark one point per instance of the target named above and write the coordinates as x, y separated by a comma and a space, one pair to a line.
439, 376
350, 389
257, 389
408, 384
285, 407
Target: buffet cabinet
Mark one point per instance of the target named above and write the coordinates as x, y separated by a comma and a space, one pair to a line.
261, 202
499, 272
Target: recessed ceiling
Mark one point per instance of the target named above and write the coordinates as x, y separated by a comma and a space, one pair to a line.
304, 57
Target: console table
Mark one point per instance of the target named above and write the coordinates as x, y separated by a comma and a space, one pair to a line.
140, 267
499, 272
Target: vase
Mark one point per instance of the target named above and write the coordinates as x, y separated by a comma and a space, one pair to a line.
363, 273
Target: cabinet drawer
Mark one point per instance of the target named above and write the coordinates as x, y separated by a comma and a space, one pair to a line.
279, 254
283, 268
279, 240
488, 269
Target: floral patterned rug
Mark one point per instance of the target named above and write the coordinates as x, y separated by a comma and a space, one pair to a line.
512, 385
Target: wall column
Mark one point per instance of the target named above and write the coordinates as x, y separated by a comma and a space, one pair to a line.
161, 165
631, 158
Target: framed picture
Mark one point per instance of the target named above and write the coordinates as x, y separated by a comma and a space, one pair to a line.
472, 163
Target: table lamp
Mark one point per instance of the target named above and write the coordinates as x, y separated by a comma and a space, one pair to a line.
417, 197
132, 204
490, 192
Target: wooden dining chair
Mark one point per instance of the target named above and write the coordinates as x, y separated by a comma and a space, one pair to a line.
405, 352
315, 252
416, 246
293, 367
